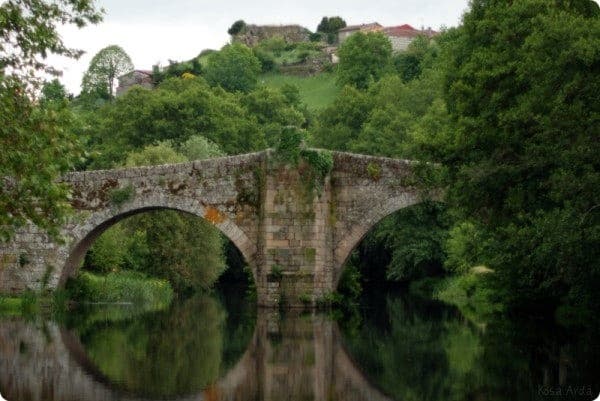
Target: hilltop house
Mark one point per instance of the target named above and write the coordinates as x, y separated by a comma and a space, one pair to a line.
346, 32
135, 77
400, 36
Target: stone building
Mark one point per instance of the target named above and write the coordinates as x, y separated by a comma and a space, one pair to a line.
252, 35
346, 32
401, 36
135, 77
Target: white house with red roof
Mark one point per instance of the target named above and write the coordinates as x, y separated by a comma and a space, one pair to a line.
346, 32
400, 36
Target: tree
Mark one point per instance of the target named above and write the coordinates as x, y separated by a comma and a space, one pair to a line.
53, 91
106, 66
522, 93
409, 63
238, 26
234, 68
176, 110
331, 24
198, 148
330, 27
36, 144
364, 58
28, 33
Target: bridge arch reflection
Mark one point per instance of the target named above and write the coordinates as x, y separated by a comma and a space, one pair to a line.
298, 355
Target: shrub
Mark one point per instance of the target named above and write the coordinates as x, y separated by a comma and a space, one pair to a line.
119, 196
237, 27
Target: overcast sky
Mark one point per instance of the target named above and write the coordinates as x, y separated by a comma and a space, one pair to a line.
155, 31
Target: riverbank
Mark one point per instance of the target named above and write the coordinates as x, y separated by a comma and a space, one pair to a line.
467, 292
120, 288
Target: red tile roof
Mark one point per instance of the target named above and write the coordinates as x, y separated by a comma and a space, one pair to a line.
407, 31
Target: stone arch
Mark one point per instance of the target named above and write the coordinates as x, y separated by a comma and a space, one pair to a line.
83, 231
349, 240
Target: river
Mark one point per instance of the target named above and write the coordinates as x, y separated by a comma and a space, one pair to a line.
395, 346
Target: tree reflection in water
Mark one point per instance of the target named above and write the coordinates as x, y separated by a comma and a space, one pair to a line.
400, 348
415, 349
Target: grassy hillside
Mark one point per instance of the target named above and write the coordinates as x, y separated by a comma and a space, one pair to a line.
317, 91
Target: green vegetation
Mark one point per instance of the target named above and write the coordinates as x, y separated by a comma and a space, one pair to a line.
471, 293
520, 146
316, 92
505, 109
329, 27
314, 165
234, 68
122, 287
122, 349
18, 306
106, 66
183, 249
510, 124
121, 195
364, 59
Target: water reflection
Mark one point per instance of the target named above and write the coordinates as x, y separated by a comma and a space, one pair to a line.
423, 350
401, 348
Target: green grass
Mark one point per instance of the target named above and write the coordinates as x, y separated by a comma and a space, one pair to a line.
24, 305
317, 92
121, 287
10, 306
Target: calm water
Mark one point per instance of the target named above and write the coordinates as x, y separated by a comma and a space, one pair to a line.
397, 347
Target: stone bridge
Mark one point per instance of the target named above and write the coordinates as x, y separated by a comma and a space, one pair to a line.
294, 232
41, 361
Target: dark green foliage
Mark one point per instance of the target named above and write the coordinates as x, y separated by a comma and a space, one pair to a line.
350, 286
315, 37
522, 85
177, 110
341, 122
234, 68
54, 91
364, 59
237, 27
320, 161
313, 165
289, 146
407, 245
37, 146
121, 195
184, 249
331, 25
410, 63
266, 59
30, 164
273, 110
176, 69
